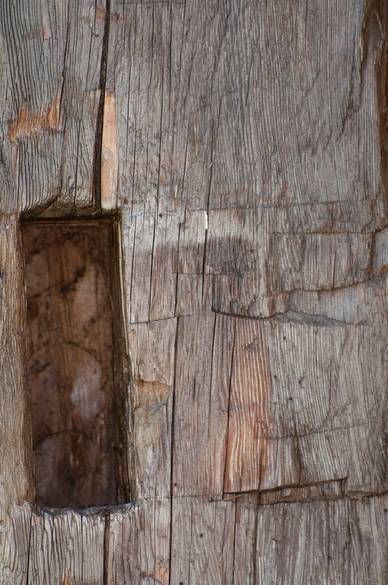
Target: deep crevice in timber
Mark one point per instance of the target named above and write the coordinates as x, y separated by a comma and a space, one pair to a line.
100, 113
172, 450
106, 550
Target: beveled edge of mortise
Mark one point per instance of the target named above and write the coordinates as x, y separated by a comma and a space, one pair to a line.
95, 511
69, 218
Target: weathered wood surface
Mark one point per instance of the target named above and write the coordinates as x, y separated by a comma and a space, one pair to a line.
243, 145
220, 542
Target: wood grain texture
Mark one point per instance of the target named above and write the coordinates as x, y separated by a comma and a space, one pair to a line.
296, 425
236, 541
202, 548
152, 349
203, 358
66, 548
51, 54
243, 146
15, 546
139, 545
15, 443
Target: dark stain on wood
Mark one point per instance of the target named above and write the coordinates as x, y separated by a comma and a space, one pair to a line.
77, 439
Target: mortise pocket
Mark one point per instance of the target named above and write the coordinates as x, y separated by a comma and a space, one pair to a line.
75, 367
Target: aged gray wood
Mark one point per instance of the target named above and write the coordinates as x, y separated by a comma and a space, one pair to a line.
66, 548
151, 404
50, 97
15, 442
243, 145
138, 544
15, 545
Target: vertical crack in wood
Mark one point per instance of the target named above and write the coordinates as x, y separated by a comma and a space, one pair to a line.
29, 551
235, 505
177, 263
172, 452
211, 377
380, 18
152, 267
255, 544
100, 114
328, 558
106, 550
229, 409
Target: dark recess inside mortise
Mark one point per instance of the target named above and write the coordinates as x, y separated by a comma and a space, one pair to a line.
76, 367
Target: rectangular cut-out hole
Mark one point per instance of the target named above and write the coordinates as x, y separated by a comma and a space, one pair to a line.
74, 383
